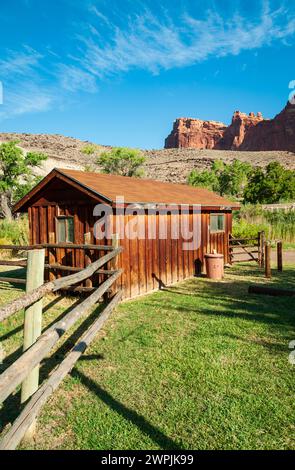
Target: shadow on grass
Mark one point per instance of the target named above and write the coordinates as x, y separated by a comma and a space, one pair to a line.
227, 299
14, 273
276, 348
49, 364
45, 309
230, 299
157, 436
12, 407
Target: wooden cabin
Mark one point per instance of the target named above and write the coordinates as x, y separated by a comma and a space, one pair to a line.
61, 210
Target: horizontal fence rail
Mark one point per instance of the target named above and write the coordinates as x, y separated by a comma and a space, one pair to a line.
70, 246
251, 249
25, 370
17, 372
53, 286
13, 280
15, 434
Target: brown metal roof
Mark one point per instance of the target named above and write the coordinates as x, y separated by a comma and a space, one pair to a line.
134, 190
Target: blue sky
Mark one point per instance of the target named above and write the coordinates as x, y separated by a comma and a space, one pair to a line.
120, 72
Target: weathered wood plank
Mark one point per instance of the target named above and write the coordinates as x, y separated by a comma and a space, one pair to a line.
280, 256
19, 263
12, 280
33, 325
56, 245
32, 409
268, 260
53, 286
19, 370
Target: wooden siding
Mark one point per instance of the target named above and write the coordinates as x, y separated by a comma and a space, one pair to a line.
148, 264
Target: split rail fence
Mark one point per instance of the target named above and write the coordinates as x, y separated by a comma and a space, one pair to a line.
25, 370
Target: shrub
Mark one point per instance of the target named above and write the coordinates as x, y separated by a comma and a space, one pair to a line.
15, 232
122, 161
89, 149
243, 229
279, 224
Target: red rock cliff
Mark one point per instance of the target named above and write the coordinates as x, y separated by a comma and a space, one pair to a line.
195, 133
246, 132
235, 133
273, 134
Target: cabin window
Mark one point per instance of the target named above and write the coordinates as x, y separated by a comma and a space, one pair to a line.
217, 223
65, 229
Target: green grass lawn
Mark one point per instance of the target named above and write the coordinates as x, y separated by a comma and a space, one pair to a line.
202, 365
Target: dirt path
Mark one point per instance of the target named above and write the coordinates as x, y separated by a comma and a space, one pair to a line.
288, 256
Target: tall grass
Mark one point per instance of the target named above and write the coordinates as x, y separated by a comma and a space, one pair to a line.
15, 232
279, 224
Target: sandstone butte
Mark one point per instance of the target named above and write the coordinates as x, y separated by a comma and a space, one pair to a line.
246, 132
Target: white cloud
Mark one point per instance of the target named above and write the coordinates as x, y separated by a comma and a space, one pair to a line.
153, 43
21, 63
102, 17
72, 78
106, 45
24, 91
26, 98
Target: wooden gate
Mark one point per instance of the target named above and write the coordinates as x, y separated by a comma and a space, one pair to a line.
243, 250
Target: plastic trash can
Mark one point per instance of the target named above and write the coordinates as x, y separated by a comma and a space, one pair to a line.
214, 266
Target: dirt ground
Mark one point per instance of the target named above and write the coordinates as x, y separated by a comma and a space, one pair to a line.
288, 256
173, 165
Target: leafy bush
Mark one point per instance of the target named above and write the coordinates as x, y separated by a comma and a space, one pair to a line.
279, 224
122, 161
226, 179
15, 232
243, 229
89, 149
204, 179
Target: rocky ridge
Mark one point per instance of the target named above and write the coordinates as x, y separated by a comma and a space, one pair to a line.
171, 165
246, 133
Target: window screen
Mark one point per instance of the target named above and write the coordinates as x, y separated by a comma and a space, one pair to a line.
217, 223
65, 229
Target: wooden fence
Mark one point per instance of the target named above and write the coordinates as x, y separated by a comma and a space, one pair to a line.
52, 267
26, 368
247, 249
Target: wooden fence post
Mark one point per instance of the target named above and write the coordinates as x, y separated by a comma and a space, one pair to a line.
280, 255
87, 241
261, 243
230, 250
114, 261
268, 260
33, 324
51, 255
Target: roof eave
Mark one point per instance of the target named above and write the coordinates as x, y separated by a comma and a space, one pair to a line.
20, 205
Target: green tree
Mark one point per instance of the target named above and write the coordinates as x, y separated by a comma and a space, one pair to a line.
204, 179
122, 161
226, 179
275, 184
16, 176
233, 178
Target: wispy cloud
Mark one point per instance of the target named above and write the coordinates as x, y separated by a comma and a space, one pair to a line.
108, 42
20, 63
73, 78
153, 43
24, 91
